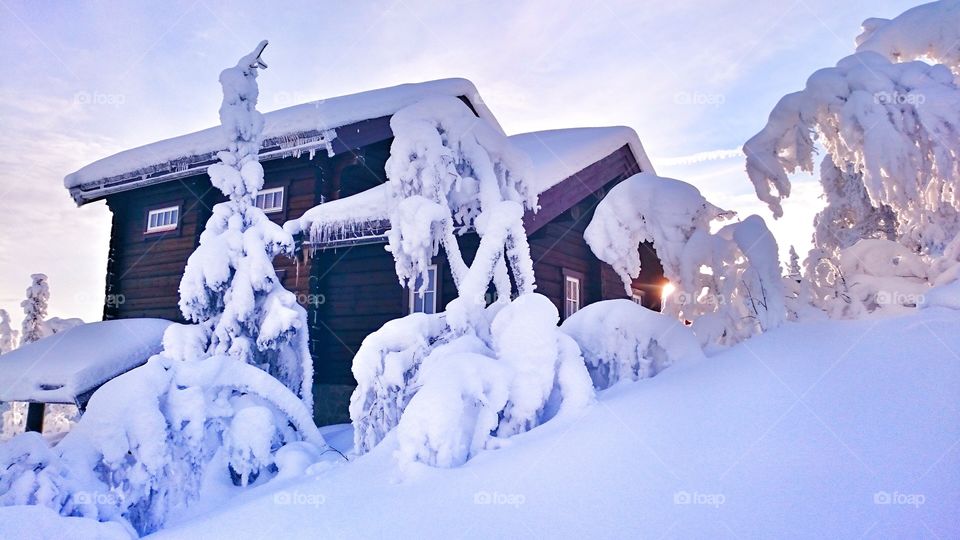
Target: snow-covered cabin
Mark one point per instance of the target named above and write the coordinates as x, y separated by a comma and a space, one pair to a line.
324, 169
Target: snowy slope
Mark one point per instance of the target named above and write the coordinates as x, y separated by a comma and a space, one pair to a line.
829, 430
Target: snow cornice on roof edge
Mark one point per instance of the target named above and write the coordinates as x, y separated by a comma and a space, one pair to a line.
287, 132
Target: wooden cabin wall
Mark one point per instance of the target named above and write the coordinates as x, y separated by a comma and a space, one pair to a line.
144, 270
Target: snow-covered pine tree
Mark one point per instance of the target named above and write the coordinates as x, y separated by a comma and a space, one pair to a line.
8, 336
35, 309
229, 286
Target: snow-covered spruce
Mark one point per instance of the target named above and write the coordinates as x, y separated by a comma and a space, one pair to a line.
229, 285
35, 309
623, 341
727, 283
8, 336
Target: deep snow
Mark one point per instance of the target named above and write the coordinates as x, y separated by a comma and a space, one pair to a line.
832, 429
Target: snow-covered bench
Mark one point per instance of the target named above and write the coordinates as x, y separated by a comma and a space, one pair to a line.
69, 366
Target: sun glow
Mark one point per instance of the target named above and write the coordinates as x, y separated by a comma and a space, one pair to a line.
667, 290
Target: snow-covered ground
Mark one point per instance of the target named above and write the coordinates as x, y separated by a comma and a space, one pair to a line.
816, 430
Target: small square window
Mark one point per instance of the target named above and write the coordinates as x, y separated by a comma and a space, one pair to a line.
270, 200
163, 219
571, 296
425, 302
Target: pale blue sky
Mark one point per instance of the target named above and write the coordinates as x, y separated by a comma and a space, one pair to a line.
85, 80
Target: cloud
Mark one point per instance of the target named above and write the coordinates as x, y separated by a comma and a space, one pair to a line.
699, 157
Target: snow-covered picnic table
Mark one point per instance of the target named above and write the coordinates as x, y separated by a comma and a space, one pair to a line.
66, 367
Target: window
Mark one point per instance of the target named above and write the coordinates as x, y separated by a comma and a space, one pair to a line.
571, 295
270, 200
426, 302
637, 296
163, 219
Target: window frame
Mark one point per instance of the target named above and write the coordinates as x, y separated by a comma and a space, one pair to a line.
569, 276
412, 293
283, 199
160, 210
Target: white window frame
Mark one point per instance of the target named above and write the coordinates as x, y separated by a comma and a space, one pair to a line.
572, 302
162, 225
264, 192
431, 292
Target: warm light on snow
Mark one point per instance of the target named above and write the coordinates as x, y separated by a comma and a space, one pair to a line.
667, 290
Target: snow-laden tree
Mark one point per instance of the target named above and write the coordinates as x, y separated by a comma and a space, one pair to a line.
893, 127
929, 32
8, 336
35, 309
229, 286
727, 283
202, 408
450, 172
454, 383
888, 119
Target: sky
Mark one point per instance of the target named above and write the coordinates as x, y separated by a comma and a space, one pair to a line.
695, 79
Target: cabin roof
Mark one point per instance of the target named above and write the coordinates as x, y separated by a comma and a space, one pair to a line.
67, 366
290, 131
556, 155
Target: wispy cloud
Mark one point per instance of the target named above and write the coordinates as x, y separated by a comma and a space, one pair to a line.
699, 157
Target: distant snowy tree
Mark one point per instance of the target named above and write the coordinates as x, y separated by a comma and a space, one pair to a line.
8, 336
229, 285
727, 283
35, 309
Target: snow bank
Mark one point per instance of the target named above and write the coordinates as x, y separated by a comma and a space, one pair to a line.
560, 153
314, 117
67, 364
947, 296
622, 340
42, 523
718, 449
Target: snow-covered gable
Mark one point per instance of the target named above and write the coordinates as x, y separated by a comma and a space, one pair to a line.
558, 154
59, 368
555, 154
289, 131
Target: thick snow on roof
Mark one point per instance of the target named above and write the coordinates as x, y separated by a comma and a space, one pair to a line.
58, 368
560, 153
556, 155
317, 116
